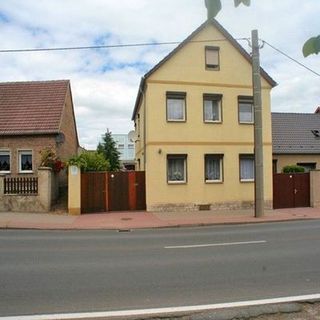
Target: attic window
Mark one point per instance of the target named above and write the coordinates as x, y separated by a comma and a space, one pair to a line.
316, 133
212, 58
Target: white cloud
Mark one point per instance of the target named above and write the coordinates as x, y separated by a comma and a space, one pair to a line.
105, 82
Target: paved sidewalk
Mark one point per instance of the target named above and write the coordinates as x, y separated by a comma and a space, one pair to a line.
140, 220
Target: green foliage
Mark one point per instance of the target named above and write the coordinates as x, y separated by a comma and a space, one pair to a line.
312, 46
292, 169
214, 6
108, 149
89, 161
50, 159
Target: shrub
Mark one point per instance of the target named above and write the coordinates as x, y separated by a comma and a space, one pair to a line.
50, 159
89, 162
293, 169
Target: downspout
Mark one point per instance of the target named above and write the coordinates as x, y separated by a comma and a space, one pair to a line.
143, 92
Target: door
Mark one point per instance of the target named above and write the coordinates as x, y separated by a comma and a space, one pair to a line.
291, 190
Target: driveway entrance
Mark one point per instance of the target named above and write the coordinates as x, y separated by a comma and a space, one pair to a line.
291, 190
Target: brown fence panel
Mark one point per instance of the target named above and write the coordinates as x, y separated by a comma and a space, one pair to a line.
291, 190
302, 190
118, 191
140, 185
93, 192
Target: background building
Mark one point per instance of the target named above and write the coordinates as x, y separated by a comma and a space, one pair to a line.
126, 149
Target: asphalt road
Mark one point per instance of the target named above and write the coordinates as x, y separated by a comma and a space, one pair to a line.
83, 271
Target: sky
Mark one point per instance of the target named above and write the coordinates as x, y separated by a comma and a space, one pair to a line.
105, 82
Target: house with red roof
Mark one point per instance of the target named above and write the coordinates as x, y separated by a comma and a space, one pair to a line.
34, 116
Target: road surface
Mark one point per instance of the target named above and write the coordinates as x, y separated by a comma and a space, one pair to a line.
44, 272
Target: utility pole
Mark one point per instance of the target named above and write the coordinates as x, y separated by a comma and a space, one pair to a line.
258, 143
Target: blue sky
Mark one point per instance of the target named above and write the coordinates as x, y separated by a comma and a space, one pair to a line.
105, 82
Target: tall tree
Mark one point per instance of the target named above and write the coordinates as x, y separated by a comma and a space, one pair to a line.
108, 148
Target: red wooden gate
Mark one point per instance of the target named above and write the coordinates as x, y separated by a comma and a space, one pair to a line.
112, 191
291, 190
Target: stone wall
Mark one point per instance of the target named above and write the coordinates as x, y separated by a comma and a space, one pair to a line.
315, 189
40, 202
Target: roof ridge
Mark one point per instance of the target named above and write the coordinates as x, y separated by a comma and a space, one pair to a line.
34, 81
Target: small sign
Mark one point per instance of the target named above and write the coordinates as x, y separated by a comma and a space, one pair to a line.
74, 170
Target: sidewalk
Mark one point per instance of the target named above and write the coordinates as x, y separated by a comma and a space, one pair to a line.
141, 220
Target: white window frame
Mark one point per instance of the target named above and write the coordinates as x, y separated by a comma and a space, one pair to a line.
177, 156
246, 100
6, 153
218, 99
246, 157
20, 154
220, 158
176, 96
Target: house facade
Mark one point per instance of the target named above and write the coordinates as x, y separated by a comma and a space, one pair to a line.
194, 125
296, 140
34, 116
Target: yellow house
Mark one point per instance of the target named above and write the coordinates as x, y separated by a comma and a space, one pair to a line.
194, 123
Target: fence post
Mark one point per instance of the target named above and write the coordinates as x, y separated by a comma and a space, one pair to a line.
44, 187
74, 190
1, 186
315, 188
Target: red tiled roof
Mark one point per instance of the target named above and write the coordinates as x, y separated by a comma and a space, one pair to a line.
32, 107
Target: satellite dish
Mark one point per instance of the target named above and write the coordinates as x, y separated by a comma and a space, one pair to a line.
132, 136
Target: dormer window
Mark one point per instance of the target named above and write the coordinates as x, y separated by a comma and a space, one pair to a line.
212, 58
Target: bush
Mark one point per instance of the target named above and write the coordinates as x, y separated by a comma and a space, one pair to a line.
89, 162
293, 169
50, 159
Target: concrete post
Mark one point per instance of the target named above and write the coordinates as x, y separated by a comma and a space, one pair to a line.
315, 189
258, 143
44, 187
1, 185
74, 190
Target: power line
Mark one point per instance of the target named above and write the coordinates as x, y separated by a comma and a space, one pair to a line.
108, 46
292, 59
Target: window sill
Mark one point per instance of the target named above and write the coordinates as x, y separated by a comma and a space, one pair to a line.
5, 172
214, 182
177, 182
171, 120
213, 121
250, 123
247, 180
25, 172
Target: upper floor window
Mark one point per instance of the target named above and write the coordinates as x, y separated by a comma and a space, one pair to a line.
213, 168
212, 108
120, 145
4, 161
177, 168
246, 112
212, 58
246, 168
176, 106
130, 146
25, 161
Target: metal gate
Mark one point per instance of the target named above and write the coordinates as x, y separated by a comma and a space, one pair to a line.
113, 191
291, 190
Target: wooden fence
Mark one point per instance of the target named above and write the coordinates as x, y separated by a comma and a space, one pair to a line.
21, 186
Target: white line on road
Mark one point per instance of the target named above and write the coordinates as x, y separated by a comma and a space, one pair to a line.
215, 244
159, 311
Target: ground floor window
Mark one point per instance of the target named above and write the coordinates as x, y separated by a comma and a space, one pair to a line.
177, 168
4, 161
213, 168
25, 161
308, 166
246, 168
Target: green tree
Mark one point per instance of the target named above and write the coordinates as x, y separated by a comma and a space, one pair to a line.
108, 149
312, 46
